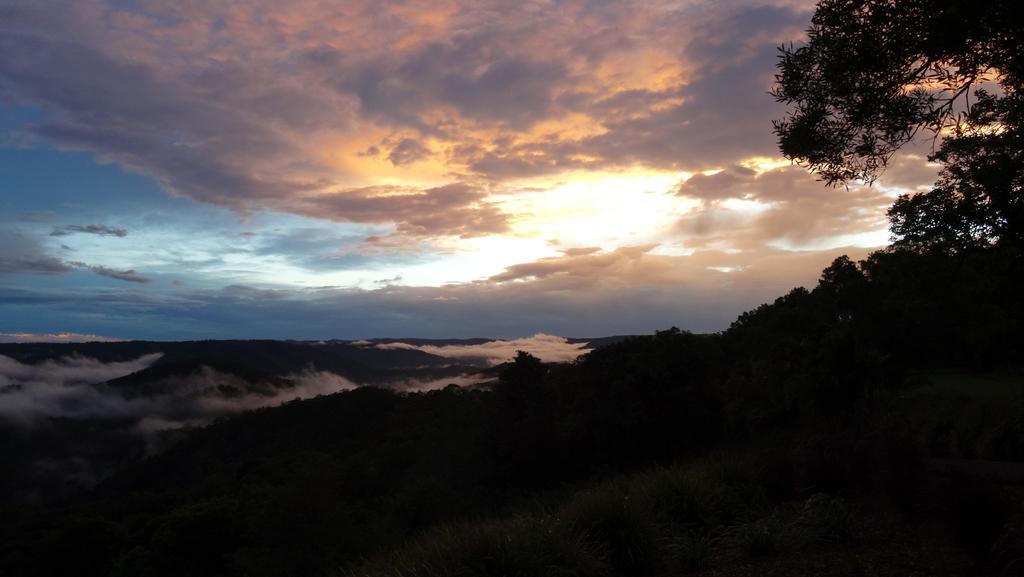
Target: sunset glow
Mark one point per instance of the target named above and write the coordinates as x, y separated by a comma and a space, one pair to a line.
345, 163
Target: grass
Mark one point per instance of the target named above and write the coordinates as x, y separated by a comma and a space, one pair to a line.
689, 551
621, 527
518, 547
676, 520
966, 417
986, 388
826, 519
738, 509
819, 520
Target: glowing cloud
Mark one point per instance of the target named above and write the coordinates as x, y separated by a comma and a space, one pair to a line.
548, 348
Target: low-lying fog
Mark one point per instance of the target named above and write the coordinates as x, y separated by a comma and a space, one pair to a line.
77, 387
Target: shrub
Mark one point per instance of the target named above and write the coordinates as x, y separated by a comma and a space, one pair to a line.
760, 538
689, 551
826, 519
678, 496
623, 527
520, 547
1007, 553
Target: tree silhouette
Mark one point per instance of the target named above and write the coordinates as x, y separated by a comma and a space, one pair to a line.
875, 72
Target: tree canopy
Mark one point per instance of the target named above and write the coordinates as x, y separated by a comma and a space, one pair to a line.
874, 73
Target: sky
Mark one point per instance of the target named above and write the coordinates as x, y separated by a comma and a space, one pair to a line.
352, 169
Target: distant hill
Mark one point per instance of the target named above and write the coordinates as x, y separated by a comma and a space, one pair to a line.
72, 413
267, 358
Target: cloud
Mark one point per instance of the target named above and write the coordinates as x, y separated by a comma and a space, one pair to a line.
468, 380
633, 290
97, 229
75, 387
48, 397
254, 294
451, 210
785, 204
417, 120
73, 370
715, 112
264, 105
207, 385
200, 396
62, 337
63, 387
719, 186
548, 348
408, 151
910, 170
20, 253
583, 266
125, 275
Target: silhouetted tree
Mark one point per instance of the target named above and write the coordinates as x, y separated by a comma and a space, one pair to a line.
845, 287
647, 398
526, 444
874, 72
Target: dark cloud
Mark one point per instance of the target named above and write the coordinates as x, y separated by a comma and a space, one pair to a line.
191, 128
578, 269
20, 253
452, 210
720, 114
226, 132
249, 293
512, 91
125, 275
725, 111
408, 151
97, 229
41, 265
485, 73
728, 183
